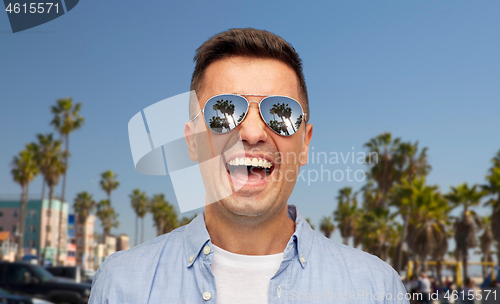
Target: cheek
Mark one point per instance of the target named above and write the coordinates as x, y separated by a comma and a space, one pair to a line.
289, 151
211, 145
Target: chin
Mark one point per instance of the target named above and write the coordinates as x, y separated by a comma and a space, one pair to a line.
246, 207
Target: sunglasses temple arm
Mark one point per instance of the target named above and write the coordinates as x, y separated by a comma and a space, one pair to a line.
197, 115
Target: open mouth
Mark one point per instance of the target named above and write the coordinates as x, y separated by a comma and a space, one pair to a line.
249, 169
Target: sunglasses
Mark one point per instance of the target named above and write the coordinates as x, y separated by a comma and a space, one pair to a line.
223, 113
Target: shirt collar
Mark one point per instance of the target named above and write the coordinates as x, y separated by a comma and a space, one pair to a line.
195, 237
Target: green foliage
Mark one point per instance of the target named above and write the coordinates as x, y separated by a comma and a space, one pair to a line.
109, 218
109, 182
164, 214
84, 206
139, 202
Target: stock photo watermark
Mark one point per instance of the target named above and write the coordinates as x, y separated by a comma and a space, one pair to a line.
327, 162
24, 15
220, 162
365, 295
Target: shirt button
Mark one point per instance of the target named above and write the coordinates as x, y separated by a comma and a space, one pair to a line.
302, 259
191, 258
207, 295
206, 250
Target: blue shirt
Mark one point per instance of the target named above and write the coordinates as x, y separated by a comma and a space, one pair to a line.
175, 268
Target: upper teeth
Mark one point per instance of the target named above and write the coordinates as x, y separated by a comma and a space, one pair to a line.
250, 162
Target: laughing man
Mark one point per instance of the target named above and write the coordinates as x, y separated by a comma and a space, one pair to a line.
251, 246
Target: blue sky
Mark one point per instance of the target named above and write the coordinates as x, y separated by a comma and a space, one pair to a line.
426, 71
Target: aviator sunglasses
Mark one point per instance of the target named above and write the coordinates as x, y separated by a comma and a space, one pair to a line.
223, 113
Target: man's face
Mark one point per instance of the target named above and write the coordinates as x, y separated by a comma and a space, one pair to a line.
258, 193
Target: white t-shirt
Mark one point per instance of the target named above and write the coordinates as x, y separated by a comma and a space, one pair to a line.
425, 285
241, 278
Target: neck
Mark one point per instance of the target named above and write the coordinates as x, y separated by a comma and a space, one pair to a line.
269, 236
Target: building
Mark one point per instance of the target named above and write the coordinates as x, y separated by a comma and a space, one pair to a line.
122, 242
106, 247
8, 247
41, 226
85, 256
71, 242
110, 245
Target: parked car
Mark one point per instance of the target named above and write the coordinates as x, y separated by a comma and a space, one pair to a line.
67, 272
8, 298
32, 280
74, 273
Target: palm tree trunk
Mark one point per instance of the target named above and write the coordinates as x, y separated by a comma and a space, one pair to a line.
60, 234
84, 256
439, 272
44, 182
60, 224
39, 247
403, 239
292, 125
484, 268
47, 227
136, 228
66, 165
498, 253
142, 231
20, 244
465, 263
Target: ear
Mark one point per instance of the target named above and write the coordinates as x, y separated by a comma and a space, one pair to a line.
190, 136
305, 144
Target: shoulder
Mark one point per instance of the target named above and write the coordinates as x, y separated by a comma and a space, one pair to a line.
352, 258
359, 267
120, 270
135, 257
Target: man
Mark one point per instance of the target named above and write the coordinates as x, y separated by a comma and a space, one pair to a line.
424, 286
250, 246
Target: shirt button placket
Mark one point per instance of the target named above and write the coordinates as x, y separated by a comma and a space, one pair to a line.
206, 295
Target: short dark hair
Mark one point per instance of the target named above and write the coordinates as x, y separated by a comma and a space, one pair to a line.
247, 42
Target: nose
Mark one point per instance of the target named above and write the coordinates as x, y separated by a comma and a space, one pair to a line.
253, 129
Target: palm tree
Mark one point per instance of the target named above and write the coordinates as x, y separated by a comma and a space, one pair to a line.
277, 109
66, 120
229, 109
84, 206
384, 170
378, 231
108, 217
493, 188
52, 166
287, 113
428, 220
275, 125
109, 182
241, 117
298, 122
465, 225
139, 202
346, 213
326, 226
485, 241
164, 214
24, 170
410, 164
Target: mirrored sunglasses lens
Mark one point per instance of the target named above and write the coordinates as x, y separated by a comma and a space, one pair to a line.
282, 114
224, 112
